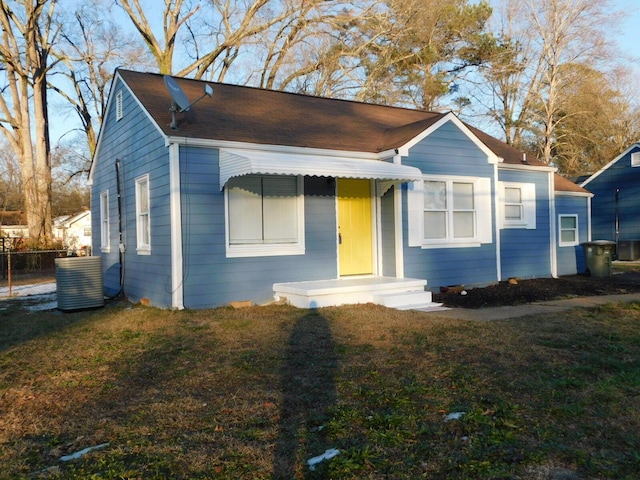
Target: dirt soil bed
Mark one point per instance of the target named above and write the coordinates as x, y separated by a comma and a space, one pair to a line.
540, 289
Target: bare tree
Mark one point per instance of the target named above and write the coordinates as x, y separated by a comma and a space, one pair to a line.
11, 197
91, 47
28, 33
537, 39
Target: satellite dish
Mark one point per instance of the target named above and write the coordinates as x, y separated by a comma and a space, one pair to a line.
179, 98
180, 101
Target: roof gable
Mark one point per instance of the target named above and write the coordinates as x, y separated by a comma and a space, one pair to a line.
611, 163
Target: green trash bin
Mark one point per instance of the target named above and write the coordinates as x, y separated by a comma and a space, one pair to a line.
597, 256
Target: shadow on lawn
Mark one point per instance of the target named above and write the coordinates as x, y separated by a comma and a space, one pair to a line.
308, 393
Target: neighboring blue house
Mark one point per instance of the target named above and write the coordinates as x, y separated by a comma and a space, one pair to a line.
615, 214
259, 195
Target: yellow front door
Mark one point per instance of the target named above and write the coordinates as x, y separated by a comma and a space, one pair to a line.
355, 227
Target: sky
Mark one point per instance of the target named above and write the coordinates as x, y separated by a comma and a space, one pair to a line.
629, 35
628, 38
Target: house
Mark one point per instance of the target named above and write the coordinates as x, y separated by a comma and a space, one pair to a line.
615, 213
255, 194
74, 231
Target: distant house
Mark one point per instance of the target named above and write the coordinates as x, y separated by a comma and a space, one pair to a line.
13, 225
255, 195
74, 231
615, 213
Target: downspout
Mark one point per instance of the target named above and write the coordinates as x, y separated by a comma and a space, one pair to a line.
121, 247
177, 290
617, 219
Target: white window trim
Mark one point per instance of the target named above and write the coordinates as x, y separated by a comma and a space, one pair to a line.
483, 213
635, 159
119, 111
268, 250
560, 230
141, 247
105, 236
528, 191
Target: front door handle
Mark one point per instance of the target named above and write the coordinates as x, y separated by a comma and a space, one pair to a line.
339, 239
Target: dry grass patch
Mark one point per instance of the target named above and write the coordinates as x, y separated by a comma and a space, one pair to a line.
256, 392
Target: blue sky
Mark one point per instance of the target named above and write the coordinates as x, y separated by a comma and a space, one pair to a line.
629, 35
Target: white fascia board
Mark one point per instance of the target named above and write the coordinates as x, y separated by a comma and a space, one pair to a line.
270, 148
526, 167
635, 145
451, 117
560, 193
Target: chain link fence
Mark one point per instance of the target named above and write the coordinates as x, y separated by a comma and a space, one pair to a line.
28, 272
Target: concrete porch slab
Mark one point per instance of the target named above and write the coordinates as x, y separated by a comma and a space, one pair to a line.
344, 291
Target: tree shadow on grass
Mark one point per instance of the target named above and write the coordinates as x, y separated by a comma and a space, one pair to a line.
308, 393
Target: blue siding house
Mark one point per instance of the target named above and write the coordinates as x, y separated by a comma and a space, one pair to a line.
260, 195
615, 213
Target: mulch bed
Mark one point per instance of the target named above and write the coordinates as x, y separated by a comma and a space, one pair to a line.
540, 289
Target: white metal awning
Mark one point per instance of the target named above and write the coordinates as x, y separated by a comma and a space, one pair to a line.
235, 163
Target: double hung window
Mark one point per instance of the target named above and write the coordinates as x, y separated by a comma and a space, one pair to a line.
568, 230
143, 225
104, 221
450, 212
518, 204
265, 216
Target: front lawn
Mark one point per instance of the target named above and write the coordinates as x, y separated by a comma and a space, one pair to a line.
257, 392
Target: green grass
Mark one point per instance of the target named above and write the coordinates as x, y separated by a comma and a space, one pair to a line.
254, 393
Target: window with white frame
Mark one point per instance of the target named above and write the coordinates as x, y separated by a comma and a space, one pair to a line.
450, 212
518, 205
568, 230
265, 216
635, 159
143, 226
119, 113
104, 221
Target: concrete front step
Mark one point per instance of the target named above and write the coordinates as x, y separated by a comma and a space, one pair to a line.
324, 293
417, 299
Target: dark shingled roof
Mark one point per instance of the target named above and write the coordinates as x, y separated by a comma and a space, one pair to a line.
252, 115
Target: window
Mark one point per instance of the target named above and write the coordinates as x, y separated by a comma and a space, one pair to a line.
119, 113
450, 212
143, 227
635, 159
264, 216
104, 221
568, 230
518, 205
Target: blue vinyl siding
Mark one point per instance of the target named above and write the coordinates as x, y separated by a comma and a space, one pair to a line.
387, 228
139, 147
211, 279
526, 253
448, 151
571, 259
620, 175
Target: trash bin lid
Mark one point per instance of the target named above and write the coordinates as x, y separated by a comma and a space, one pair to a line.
599, 243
